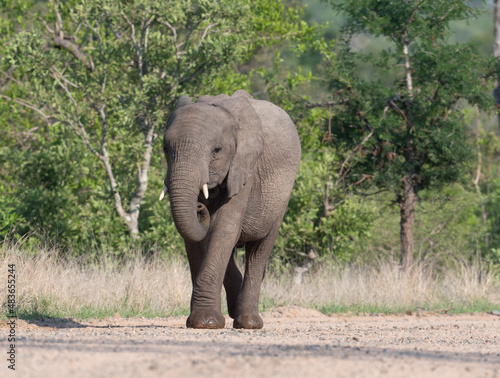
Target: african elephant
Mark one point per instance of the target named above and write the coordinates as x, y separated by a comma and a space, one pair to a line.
232, 163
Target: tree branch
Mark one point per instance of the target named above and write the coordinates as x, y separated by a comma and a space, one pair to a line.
328, 208
326, 104
109, 170
137, 47
78, 127
205, 33
29, 106
74, 50
59, 40
409, 79
176, 46
8, 77
342, 174
478, 177
142, 174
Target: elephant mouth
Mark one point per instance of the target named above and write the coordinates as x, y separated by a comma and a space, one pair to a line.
215, 190
203, 214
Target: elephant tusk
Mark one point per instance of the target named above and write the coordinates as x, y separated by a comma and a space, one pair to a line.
205, 191
163, 192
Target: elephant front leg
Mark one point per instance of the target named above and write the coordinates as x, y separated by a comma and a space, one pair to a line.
195, 252
207, 318
207, 287
247, 307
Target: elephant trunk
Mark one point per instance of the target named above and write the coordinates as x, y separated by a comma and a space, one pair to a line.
191, 217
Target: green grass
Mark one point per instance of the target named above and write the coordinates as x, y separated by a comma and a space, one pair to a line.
84, 313
450, 308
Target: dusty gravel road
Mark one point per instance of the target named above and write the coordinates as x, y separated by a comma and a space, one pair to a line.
295, 342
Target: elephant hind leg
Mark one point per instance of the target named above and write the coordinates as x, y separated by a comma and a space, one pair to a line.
232, 284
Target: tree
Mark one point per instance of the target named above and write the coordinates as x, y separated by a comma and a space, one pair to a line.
496, 47
404, 123
111, 71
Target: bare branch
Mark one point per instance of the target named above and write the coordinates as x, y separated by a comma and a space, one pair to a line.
478, 177
145, 37
176, 46
59, 40
194, 72
80, 131
8, 77
78, 127
365, 177
342, 173
496, 44
27, 134
174, 31
395, 107
57, 76
51, 31
409, 79
328, 134
104, 121
109, 170
142, 174
61, 76
326, 104
59, 23
29, 106
328, 208
97, 32
74, 50
138, 50
210, 26
409, 20
446, 14
103, 156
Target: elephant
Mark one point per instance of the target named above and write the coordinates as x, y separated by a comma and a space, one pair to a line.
231, 166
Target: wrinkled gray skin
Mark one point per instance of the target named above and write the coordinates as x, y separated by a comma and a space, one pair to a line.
248, 153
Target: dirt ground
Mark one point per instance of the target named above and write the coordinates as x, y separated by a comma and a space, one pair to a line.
295, 342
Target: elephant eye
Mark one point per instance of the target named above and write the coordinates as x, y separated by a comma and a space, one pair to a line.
217, 149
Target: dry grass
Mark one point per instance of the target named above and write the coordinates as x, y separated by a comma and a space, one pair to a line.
47, 285
50, 286
381, 288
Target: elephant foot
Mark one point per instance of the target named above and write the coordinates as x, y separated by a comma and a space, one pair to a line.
248, 321
205, 319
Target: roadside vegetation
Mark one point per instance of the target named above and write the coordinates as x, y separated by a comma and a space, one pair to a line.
396, 205
49, 285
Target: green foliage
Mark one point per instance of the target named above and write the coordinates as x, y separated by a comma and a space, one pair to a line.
403, 20
404, 123
102, 96
54, 188
425, 137
305, 225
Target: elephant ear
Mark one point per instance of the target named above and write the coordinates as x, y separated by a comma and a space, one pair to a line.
249, 142
184, 100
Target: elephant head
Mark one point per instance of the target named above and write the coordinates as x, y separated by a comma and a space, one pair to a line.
214, 142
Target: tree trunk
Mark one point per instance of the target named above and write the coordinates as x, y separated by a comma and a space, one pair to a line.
407, 205
496, 19
496, 50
